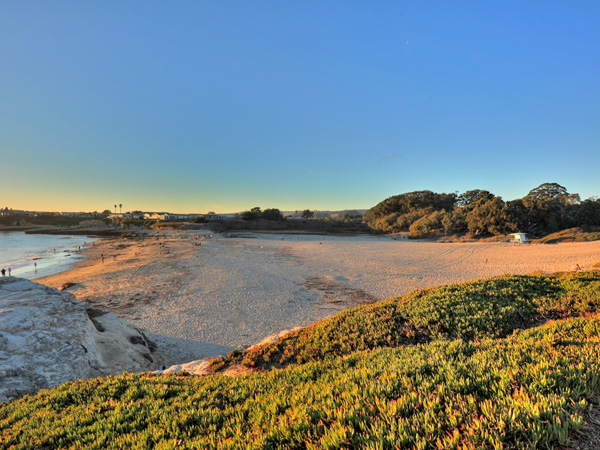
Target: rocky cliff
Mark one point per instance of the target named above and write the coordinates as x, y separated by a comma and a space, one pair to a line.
47, 338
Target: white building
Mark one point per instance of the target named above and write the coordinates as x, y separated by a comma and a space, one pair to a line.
156, 216
519, 238
119, 216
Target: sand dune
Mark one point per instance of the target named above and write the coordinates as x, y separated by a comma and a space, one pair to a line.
199, 301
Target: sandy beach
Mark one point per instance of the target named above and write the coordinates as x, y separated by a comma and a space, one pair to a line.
197, 301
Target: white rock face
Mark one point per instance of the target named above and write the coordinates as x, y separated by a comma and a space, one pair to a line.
198, 367
47, 338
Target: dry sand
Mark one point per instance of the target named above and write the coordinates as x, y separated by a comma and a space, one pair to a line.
200, 301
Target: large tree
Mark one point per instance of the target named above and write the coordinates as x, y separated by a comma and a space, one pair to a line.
307, 214
272, 214
473, 196
548, 208
586, 214
253, 214
545, 192
488, 217
400, 211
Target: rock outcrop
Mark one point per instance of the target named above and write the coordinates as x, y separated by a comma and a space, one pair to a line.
47, 338
201, 366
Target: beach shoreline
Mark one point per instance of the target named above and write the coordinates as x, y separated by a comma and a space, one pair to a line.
199, 297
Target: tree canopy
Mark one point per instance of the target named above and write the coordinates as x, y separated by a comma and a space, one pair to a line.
268, 214
307, 214
398, 212
545, 209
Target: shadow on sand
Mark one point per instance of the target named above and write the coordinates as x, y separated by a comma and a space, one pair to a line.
181, 351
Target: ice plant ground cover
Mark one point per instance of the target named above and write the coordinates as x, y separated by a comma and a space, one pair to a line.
506, 362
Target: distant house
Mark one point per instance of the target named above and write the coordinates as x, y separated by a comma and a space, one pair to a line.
16, 212
519, 238
156, 216
119, 216
45, 214
214, 216
76, 214
185, 216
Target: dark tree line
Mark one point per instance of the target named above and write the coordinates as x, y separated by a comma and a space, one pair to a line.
271, 214
268, 214
545, 209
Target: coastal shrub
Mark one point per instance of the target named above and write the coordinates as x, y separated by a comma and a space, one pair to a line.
530, 390
404, 221
414, 204
418, 230
425, 225
584, 234
489, 308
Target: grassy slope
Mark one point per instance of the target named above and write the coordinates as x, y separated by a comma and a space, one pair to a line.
489, 308
571, 235
470, 364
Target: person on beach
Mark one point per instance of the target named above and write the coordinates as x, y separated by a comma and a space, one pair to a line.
3, 271
102, 257
34, 266
9, 271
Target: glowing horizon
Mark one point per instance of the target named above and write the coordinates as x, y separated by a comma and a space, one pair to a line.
223, 106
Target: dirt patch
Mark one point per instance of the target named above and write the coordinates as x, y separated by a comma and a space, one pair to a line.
336, 292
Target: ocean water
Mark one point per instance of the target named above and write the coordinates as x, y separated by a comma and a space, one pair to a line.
38, 255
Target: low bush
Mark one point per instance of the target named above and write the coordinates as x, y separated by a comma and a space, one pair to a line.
530, 390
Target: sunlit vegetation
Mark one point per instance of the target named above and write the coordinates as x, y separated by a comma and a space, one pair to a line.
508, 362
590, 233
549, 208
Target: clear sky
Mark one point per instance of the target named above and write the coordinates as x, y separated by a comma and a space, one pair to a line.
191, 106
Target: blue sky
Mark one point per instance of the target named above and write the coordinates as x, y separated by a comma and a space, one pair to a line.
191, 106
